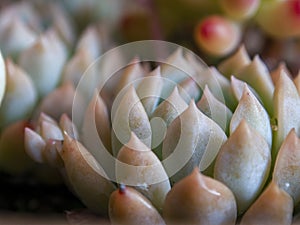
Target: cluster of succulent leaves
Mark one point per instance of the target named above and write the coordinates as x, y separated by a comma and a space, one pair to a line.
239, 124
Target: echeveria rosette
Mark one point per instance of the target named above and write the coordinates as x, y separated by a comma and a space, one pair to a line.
241, 160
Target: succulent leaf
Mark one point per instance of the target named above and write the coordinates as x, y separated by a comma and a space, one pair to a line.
20, 95
286, 172
273, 206
175, 69
131, 73
257, 75
243, 164
286, 110
44, 61
86, 176
250, 110
192, 140
215, 109
232, 64
127, 116
54, 105
90, 41
189, 89
198, 199
15, 37
139, 167
141, 211
76, 67
149, 90
96, 130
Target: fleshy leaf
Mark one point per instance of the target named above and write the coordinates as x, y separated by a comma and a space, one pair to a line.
176, 68
96, 116
75, 68
192, 140
218, 85
235, 62
16, 36
86, 176
170, 108
131, 73
189, 89
287, 166
215, 109
20, 95
139, 167
44, 61
273, 206
54, 105
238, 88
149, 90
163, 116
275, 74
257, 75
243, 164
129, 207
34, 145
286, 110
250, 110
90, 41
190, 201
297, 82
128, 114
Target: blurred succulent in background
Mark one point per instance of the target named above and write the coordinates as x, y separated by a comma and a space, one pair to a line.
161, 141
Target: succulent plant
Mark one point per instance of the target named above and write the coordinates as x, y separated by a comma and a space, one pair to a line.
159, 142
239, 146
